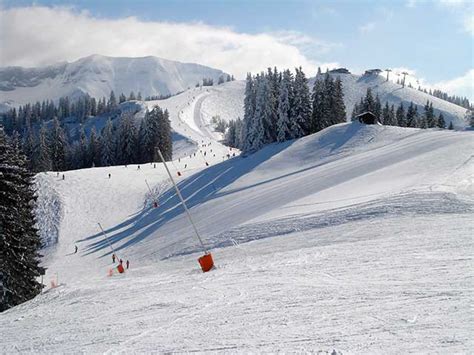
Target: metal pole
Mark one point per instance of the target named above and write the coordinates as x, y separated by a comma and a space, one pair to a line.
146, 182
182, 201
107, 239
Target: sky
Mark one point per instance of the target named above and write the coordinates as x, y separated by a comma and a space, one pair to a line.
431, 39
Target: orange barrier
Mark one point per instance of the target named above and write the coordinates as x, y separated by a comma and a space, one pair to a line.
206, 262
120, 269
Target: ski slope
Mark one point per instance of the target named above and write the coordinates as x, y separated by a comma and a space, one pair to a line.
355, 239
355, 87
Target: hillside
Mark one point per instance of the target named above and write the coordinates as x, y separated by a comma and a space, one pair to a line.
97, 75
226, 100
356, 239
355, 87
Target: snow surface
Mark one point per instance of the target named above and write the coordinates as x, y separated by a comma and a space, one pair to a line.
355, 87
97, 75
355, 239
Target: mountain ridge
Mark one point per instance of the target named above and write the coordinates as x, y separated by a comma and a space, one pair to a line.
97, 75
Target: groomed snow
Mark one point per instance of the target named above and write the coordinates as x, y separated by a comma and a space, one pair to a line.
356, 239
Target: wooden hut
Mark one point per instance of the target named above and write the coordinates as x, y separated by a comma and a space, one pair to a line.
367, 118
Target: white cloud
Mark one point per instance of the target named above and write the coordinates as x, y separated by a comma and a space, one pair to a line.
33, 36
368, 27
462, 86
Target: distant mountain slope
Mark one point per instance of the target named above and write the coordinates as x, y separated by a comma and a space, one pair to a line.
355, 87
97, 75
227, 100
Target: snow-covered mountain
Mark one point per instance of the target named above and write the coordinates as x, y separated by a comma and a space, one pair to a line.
97, 75
355, 87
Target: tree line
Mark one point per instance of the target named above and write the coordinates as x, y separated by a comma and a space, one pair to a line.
400, 116
279, 106
31, 115
19, 239
122, 143
457, 100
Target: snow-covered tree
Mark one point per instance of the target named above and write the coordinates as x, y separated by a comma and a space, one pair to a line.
301, 108
249, 111
19, 240
400, 116
44, 155
165, 141
58, 146
284, 109
108, 145
441, 121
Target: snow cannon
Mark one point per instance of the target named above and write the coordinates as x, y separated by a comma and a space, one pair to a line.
206, 262
120, 269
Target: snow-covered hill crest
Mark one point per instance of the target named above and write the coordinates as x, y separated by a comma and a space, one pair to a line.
355, 87
97, 75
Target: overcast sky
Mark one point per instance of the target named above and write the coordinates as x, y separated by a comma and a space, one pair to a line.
433, 39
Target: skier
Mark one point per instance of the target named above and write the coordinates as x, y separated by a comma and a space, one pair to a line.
185, 166
57, 174
113, 258
75, 251
154, 166
121, 261
128, 264
138, 167
109, 175
63, 176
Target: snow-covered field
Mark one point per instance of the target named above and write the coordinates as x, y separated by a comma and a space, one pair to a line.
357, 239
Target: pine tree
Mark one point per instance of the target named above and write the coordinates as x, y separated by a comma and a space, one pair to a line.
400, 117
411, 116
369, 102
165, 140
122, 98
58, 146
44, 154
126, 139
249, 111
256, 132
428, 118
112, 104
319, 119
283, 123
94, 152
385, 119
19, 240
301, 110
377, 107
108, 145
441, 122
82, 153
264, 108
339, 108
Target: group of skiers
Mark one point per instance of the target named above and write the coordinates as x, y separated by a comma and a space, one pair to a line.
127, 263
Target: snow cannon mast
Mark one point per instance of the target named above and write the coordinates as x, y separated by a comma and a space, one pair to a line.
206, 262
